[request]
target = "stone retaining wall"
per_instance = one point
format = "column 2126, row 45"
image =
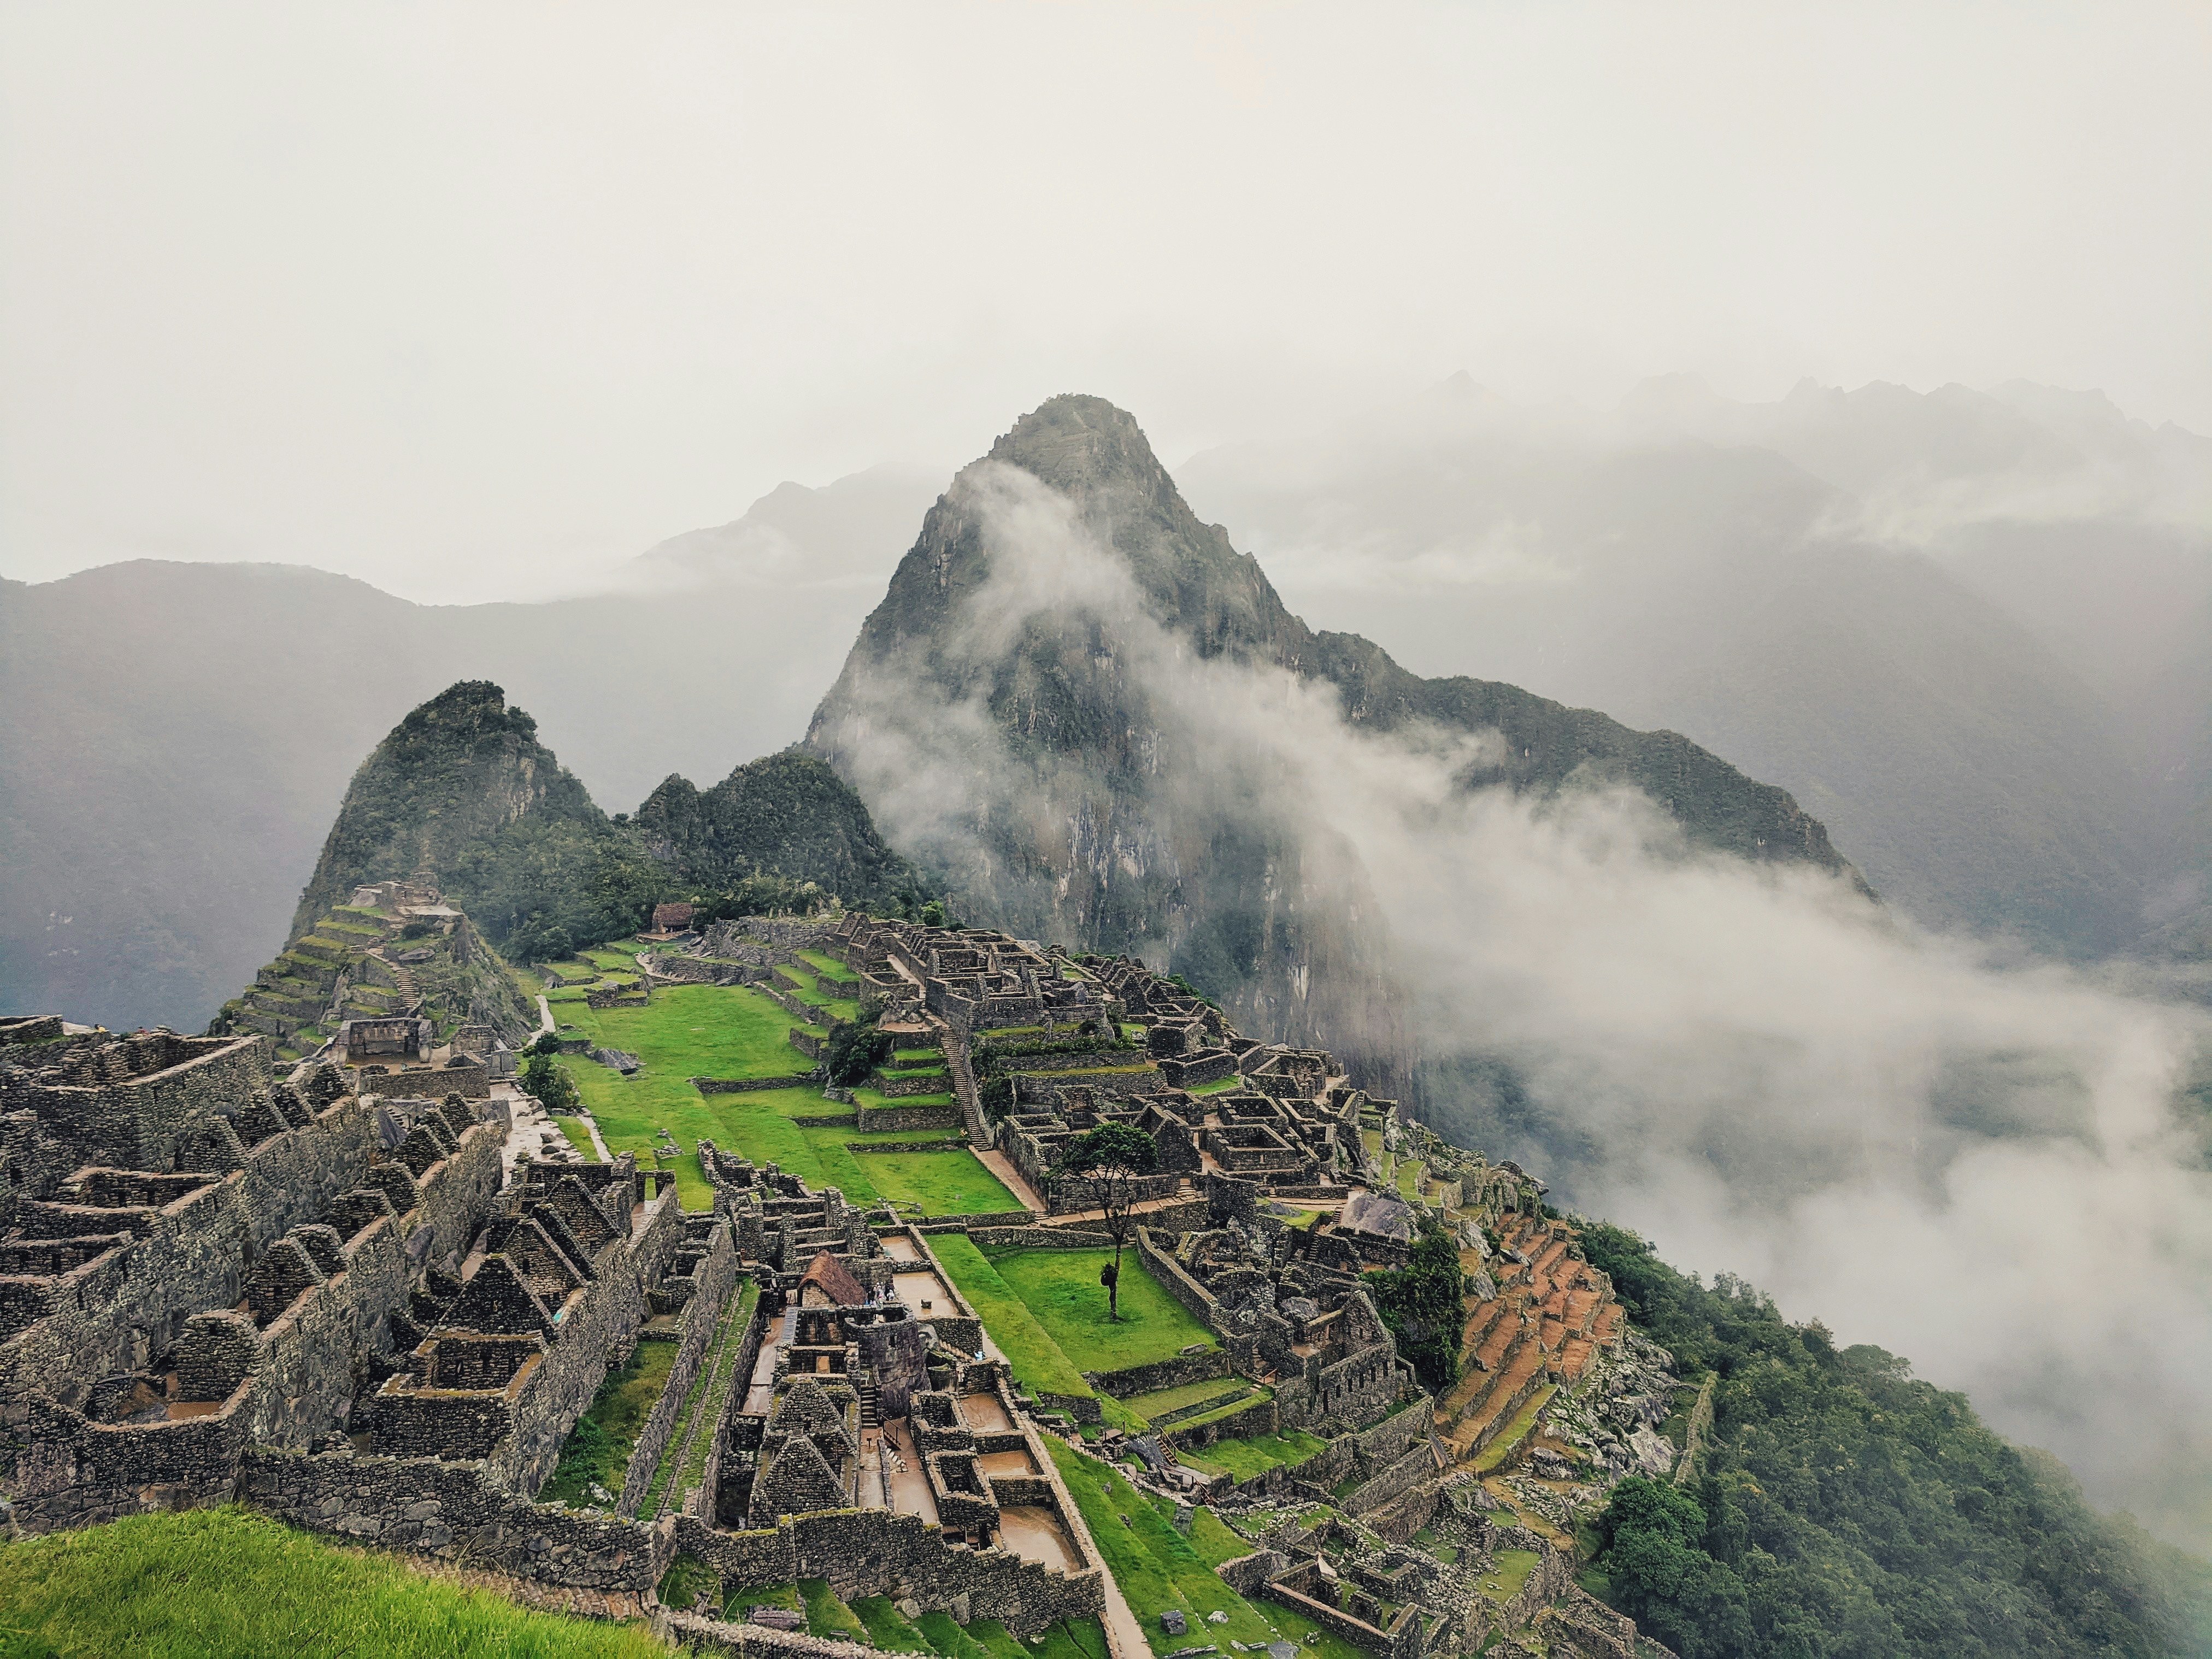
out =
column 1038, row 1238
column 940, row 1145
column 1395, row 1480
column 909, row 1117
column 743, row 1086
column 1083, row 1407
column 715, row 1279
column 1174, row 1373
column 880, row 1553
column 893, row 1084
column 455, row 1513
column 1259, row 1417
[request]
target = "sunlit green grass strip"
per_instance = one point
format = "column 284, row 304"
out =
column 225, row 1585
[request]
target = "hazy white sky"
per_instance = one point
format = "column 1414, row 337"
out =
column 467, row 300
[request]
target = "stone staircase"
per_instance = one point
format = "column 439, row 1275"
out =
column 871, row 1416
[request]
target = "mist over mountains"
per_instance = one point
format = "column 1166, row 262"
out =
column 1617, row 951
column 1966, row 630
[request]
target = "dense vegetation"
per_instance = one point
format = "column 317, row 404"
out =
column 1421, row 1303
column 784, row 815
column 1844, row 1508
column 462, row 788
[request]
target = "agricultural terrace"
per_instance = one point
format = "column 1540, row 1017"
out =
column 876, row 1620
column 1045, row 1310
column 733, row 1031
column 1157, row 1568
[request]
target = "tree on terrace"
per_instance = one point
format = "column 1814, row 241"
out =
column 548, row 1082
column 1112, row 1157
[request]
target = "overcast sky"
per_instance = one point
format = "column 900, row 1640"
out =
column 468, row 300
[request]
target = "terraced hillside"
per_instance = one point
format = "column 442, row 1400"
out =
column 364, row 962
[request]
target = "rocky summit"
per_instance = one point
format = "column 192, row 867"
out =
column 1031, row 706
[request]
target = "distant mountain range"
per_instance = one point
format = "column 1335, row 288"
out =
column 1970, row 633
column 178, row 735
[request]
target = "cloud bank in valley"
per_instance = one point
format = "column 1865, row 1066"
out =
column 1990, row 1167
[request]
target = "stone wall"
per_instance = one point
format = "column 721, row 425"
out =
column 694, row 1634
column 1259, row 1417
column 454, row 1513
column 1402, row 1640
column 1395, row 1479
column 880, row 1553
column 1039, row 1239
column 1177, row 1283
column 715, row 1279
column 909, row 1117
column 471, row 1082
column 804, row 1012
column 893, row 1084
column 1165, row 1373
column 739, row 1086
column 142, row 1103
column 602, row 1331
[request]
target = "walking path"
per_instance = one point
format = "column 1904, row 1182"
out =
column 1125, row 1635
column 1011, row 1178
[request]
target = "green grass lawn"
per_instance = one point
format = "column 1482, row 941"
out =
column 225, row 1585
column 1157, row 1568
column 814, row 993
column 690, row 1030
column 887, row 1628
column 573, row 1130
column 1036, row 1358
column 826, row 1615
column 1510, row 1570
column 1243, row 1458
column 599, row 1447
column 831, row 972
column 946, row 1638
column 1218, row 1086
column 1161, row 1401
column 942, row 1183
column 710, row 1030
column 868, row 1097
column 1061, row 1290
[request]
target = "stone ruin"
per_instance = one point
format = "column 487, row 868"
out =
column 312, row 1293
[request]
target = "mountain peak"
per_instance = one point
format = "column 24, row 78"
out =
column 1075, row 442
column 456, row 772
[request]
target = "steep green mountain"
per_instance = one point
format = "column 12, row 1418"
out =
column 786, row 814
column 462, row 789
column 1044, row 731
column 1840, row 1505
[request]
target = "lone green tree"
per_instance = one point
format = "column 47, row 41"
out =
column 547, row 1081
column 1112, row 1157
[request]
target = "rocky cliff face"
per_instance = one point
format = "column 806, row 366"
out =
column 456, row 789
column 1099, row 720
